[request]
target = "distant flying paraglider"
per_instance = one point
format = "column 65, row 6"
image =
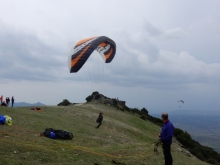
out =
column 181, row 101
column 84, row 48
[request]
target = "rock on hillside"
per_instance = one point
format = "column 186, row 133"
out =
column 65, row 102
column 100, row 98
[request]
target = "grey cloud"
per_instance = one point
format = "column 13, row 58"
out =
column 200, row 39
column 153, row 29
column 174, row 33
column 138, row 62
column 169, row 70
column 157, row 31
column 24, row 56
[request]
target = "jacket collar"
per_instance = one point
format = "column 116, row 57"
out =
column 165, row 122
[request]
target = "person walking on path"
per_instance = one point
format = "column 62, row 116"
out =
column 99, row 119
column 12, row 101
column 165, row 137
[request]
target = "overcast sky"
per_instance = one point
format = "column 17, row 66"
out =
column 166, row 51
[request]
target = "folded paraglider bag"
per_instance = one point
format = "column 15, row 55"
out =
column 37, row 109
column 8, row 120
column 57, row 134
column 2, row 120
column 47, row 132
column 63, row 134
column 4, row 104
column 5, row 120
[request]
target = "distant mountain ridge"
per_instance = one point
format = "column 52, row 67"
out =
column 24, row 104
column 195, row 112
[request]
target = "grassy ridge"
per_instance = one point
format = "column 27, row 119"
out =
column 123, row 137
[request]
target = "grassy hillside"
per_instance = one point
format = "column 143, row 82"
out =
column 123, row 138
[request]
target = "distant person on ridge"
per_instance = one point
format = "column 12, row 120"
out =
column 6, row 100
column 12, row 101
column 99, row 119
column 165, row 137
column 1, row 98
column 9, row 101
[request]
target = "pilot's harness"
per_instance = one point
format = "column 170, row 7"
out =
column 156, row 144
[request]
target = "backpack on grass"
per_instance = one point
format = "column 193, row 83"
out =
column 57, row 134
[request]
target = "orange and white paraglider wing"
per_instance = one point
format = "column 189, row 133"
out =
column 84, row 48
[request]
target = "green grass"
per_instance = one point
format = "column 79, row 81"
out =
column 123, row 137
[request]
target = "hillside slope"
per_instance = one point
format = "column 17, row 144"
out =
column 122, row 139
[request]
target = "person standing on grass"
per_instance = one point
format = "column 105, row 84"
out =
column 1, row 98
column 12, row 101
column 9, row 101
column 6, row 100
column 99, row 119
column 165, row 137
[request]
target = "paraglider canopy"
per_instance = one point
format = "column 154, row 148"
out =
column 84, row 48
column 181, row 101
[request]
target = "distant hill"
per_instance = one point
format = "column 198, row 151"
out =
column 24, row 104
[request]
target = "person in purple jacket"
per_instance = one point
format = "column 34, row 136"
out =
column 165, row 137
